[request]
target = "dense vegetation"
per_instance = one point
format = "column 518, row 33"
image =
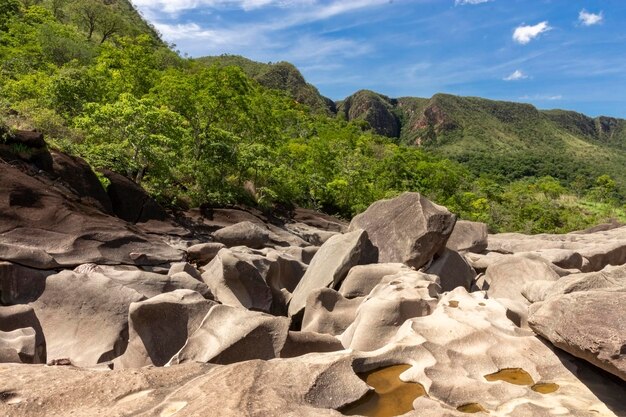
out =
column 205, row 132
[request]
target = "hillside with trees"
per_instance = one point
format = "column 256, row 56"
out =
column 209, row 132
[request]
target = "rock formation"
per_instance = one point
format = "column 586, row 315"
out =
column 231, row 312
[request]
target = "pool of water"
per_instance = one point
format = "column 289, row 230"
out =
column 391, row 396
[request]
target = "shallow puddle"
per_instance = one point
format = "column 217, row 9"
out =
column 471, row 408
column 516, row 376
column 545, row 387
column 392, row 397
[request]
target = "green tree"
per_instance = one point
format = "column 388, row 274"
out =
column 135, row 135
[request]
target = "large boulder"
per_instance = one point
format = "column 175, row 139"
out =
column 468, row 237
column 235, row 280
column 587, row 324
column 203, row 253
column 507, row 277
column 84, row 317
column 77, row 174
column 408, row 229
column 159, row 327
column 396, row 299
column 453, row 270
column 46, row 226
column 130, row 202
column 331, row 264
column 229, row 334
column 362, row 279
column 148, row 284
column 243, row 234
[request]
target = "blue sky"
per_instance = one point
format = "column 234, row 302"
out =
column 568, row 54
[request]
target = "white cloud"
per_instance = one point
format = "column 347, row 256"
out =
column 515, row 76
column 462, row 2
column 524, row 34
column 589, row 19
column 542, row 97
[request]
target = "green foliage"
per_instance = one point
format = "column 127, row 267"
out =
column 228, row 130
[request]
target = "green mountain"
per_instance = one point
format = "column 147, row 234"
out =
column 512, row 140
column 279, row 76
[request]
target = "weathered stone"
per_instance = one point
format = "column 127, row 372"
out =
column 77, row 174
column 395, row 300
column 19, row 284
column 331, row 264
column 84, row 318
column 130, row 202
column 453, row 270
column 45, row 226
column 362, row 279
column 23, row 317
column 18, row 346
column 587, row 324
column 303, row 343
column 159, row 327
column 507, row 277
column 408, row 229
column 329, row 312
column 243, row 234
column 468, row 237
column 204, row 253
column 184, row 267
column 229, row 334
column 234, row 280
column 148, row 284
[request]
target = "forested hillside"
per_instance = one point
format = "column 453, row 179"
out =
column 196, row 132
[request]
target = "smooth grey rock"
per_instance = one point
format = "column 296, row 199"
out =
column 331, row 264
column 159, row 327
column 507, row 277
column 204, row 253
column 362, row 279
column 84, row 317
column 468, row 237
column 235, row 280
column 243, row 234
column 329, row 312
column 229, row 334
column 590, row 325
column 408, row 229
column 453, row 270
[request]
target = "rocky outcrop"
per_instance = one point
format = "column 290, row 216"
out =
column 408, row 229
column 468, row 237
column 373, row 108
column 30, row 337
column 362, row 279
column 45, row 226
column 229, row 334
column 243, row 234
column 234, row 280
column 130, row 202
column 507, row 277
column 588, row 324
column 159, row 327
column 88, row 326
column 331, row 264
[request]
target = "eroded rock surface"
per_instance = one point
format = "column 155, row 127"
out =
column 408, row 229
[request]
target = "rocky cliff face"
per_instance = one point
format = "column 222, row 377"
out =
column 231, row 312
column 375, row 109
